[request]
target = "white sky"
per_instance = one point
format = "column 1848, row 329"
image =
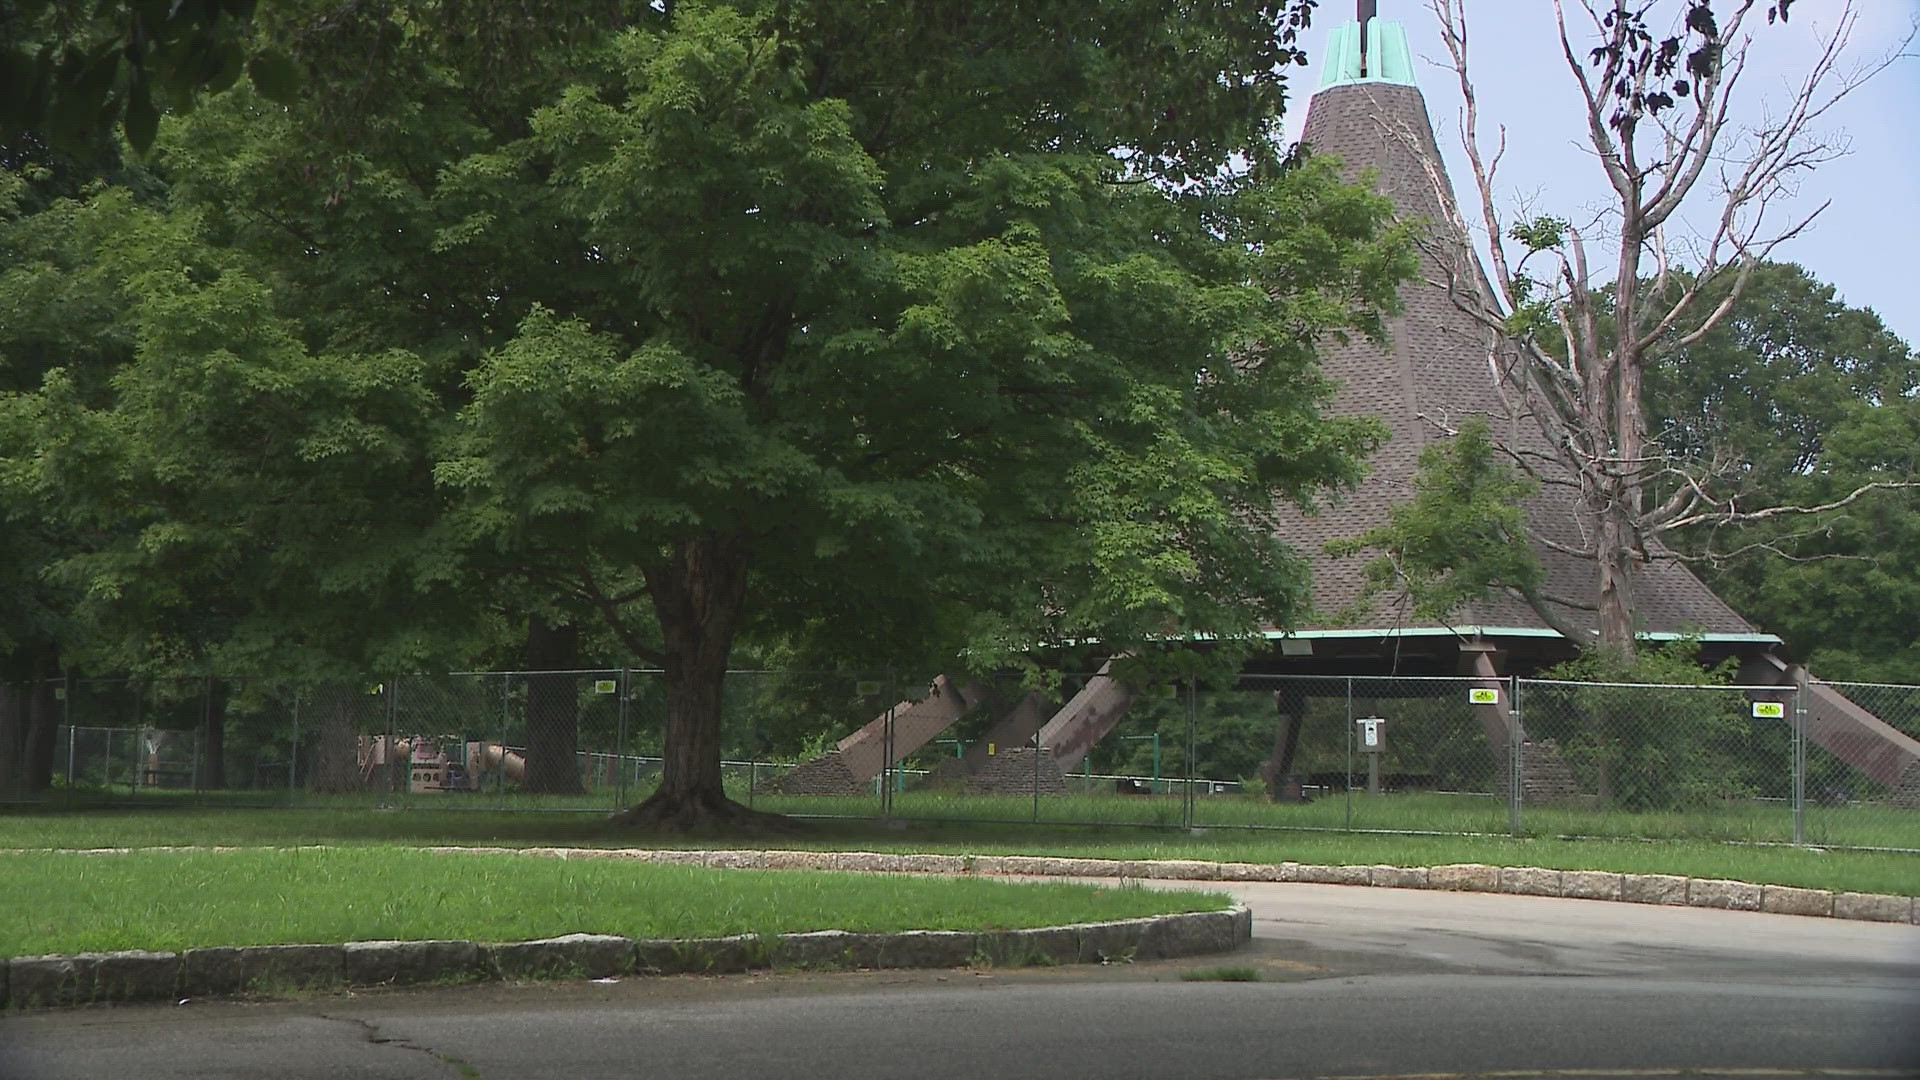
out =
column 1867, row 243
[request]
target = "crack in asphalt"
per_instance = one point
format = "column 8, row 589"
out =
column 373, row 1035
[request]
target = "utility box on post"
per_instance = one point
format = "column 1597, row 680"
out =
column 1371, row 738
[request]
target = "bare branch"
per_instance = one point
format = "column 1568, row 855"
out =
column 1727, row 511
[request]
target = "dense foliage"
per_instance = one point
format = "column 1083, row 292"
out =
column 904, row 332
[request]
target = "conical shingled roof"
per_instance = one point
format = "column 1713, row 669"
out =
column 1434, row 374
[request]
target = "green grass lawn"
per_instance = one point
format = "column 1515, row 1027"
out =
column 1862, row 871
column 1865, row 825
column 67, row 903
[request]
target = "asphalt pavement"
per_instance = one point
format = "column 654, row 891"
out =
column 1354, row 981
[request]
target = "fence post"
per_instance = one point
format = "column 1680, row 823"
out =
column 139, row 736
column 1516, row 785
column 888, row 771
column 1349, row 728
column 500, row 769
column 66, row 717
column 1036, row 776
column 1800, row 757
column 293, row 755
column 1193, row 746
column 620, row 741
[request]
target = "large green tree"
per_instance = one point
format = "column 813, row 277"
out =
column 913, row 334
column 911, row 331
column 1815, row 400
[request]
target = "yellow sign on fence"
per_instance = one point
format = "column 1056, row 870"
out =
column 1484, row 695
column 1769, row 710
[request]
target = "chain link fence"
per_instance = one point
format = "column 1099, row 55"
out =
column 1832, row 764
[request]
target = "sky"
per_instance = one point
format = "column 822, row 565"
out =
column 1867, row 243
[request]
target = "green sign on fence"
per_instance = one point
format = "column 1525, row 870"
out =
column 1484, row 695
column 1769, row 710
column 605, row 686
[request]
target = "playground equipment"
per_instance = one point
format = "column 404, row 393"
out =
column 437, row 765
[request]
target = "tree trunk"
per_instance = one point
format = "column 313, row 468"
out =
column 553, row 710
column 1286, row 744
column 13, row 738
column 698, row 595
column 43, row 718
column 213, row 737
column 336, row 759
column 1614, row 554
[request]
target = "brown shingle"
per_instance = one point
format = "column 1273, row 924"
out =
column 1434, row 374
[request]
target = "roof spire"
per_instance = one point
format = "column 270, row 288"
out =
column 1368, row 50
column 1365, row 11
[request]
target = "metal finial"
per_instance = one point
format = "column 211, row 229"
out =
column 1365, row 10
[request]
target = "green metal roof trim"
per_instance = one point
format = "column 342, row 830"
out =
column 1508, row 631
column 1390, row 55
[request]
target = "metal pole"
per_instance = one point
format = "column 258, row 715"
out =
column 1800, row 759
column 1349, row 753
column 293, row 755
column 500, row 767
column 620, row 743
column 886, row 765
column 66, row 717
column 139, row 736
column 1156, row 760
column 1036, row 776
column 1193, row 750
column 1516, row 790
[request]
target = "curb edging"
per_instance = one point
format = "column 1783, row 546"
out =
column 1669, row 890
column 28, row 982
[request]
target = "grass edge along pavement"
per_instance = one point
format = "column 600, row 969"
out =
column 136, row 976
column 1182, row 924
column 67, row 902
column 1838, row 871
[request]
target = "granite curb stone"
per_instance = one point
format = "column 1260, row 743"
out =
column 1398, row 877
column 234, row 970
column 49, row 980
column 1332, row 875
column 1464, row 877
column 1109, row 942
column 1591, row 884
column 143, row 976
column 591, row 956
column 1729, row 895
column 1872, row 907
column 1653, row 889
column 396, row 963
column 1783, row 900
column 1530, row 881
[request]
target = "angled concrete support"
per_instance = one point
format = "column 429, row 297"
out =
column 1013, row 729
column 1086, row 719
column 915, row 723
column 1840, row 726
column 1479, row 661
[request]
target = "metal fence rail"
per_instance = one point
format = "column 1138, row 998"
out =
column 1764, row 764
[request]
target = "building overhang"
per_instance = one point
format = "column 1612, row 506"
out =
column 1749, row 638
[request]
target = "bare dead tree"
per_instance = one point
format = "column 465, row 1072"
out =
column 1574, row 310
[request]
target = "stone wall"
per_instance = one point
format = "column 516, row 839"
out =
column 1013, row 771
column 824, row 775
